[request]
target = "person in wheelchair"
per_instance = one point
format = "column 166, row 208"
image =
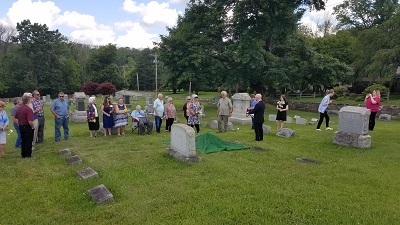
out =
column 143, row 122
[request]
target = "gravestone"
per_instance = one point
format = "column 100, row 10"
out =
column 127, row 101
column 80, row 101
column 308, row 161
column 285, row 133
column 266, row 129
column 74, row 160
column 289, row 119
column 204, row 124
column 44, row 99
column 64, row 152
column 87, row 173
column 301, row 121
column 66, row 98
column 100, row 194
column 202, row 115
column 214, row 124
column 313, row 120
column 216, row 99
column 229, row 127
column 48, row 98
column 183, row 143
column 134, row 97
column 272, row 117
column 240, row 101
column 149, row 100
column 333, row 112
column 79, row 116
column 385, row 117
column 353, row 127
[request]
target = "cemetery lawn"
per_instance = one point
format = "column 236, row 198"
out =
column 350, row 186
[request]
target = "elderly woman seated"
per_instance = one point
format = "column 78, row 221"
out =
column 140, row 117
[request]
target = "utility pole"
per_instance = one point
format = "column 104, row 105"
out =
column 137, row 81
column 124, row 66
column 155, row 62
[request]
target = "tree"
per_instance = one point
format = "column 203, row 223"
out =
column 90, row 88
column 6, row 34
column 364, row 14
column 106, row 89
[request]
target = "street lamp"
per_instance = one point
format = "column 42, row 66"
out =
column 155, row 62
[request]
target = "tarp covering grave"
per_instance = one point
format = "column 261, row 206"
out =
column 208, row 143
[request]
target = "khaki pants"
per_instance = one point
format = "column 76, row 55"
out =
column 35, row 132
column 223, row 123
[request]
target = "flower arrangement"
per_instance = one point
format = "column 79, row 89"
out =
column 280, row 104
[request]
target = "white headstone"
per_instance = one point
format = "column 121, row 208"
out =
column 183, row 143
column 266, row 129
column 272, row 117
column 385, row 117
column 240, row 101
column 214, row 124
column 301, row 121
column 289, row 119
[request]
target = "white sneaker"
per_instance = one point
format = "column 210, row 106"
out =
column 318, row 129
column 328, row 128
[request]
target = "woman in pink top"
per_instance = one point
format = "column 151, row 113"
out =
column 170, row 114
column 373, row 103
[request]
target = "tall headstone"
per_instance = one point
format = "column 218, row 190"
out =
column 353, row 127
column 127, row 101
column 240, row 101
column 183, row 143
column 149, row 105
column 66, row 98
column 79, row 115
column 48, row 98
column 44, row 99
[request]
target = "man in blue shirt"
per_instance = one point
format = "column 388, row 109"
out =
column 60, row 110
column 140, row 117
column 158, row 107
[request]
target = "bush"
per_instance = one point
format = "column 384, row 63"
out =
column 359, row 99
column 380, row 87
column 340, row 91
column 352, row 96
column 90, row 88
column 106, row 89
column 342, row 98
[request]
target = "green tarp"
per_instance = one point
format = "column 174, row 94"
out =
column 208, row 143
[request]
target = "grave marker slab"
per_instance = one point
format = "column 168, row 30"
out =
column 308, row 161
column 74, row 160
column 285, row 133
column 353, row 127
column 214, row 124
column 64, row 152
column 87, row 173
column 266, row 129
column 183, row 143
column 301, row 121
column 258, row 149
column 100, row 194
column 385, row 117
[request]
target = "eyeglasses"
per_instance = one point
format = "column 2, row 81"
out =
column 62, row 96
column 189, row 99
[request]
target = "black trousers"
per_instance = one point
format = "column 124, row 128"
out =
column 259, row 131
column 371, row 124
column 40, row 130
column 26, row 140
column 321, row 119
column 169, row 123
column 197, row 127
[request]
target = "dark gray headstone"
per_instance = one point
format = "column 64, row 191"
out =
column 87, row 173
column 64, row 152
column 80, row 104
column 308, row 161
column 385, row 117
column 74, row 160
column 126, row 99
column 100, row 194
column 258, row 149
column 266, row 129
column 285, row 132
column 354, row 120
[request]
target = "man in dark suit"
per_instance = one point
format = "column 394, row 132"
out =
column 258, row 112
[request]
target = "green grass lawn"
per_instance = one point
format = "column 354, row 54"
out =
column 350, row 186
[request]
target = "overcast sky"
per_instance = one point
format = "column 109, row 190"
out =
column 127, row 23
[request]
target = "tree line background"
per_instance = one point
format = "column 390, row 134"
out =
column 234, row 45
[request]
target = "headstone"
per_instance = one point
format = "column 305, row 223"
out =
column 214, row 124
column 183, row 143
column 64, row 152
column 202, row 115
column 313, row 120
column 353, row 127
column 385, row 117
column 289, row 119
column 308, row 161
column 259, row 149
column 240, row 101
column 285, row 133
column 204, row 124
column 74, row 160
column 127, row 101
column 87, row 173
column 44, row 99
column 149, row 108
column 301, row 121
column 266, row 129
column 216, row 99
column 66, row 97
column 229, row 126
column 149, row 100
column 100, row 194
column 48, row 98
column 333, row 112
column 134, row 97
column 79, row 116
column 272, row 117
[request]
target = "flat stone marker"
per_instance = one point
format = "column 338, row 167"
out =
column 183, row 143
column 285, row 133
column 214, row 124
column 87, row 173
column 266, row 129
column 64, row 152
column 100, row 194
column 74, row 160
column 385, row 117
column 272, row 117
column 313, row 120
column 301, row 121
column 258, row 149
column 353, row 127
column 308, row 161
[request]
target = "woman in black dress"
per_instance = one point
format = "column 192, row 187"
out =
column 282, row 106
column 186, row 107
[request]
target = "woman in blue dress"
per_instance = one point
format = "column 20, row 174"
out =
column 108, row 118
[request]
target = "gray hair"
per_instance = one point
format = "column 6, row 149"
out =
column 169, row 99
column 138, row 107
column 15, row 101
column 27, row 94
column 160, row 95
column 35, row 92
column 92, row 99
column 26, row 99
column 258, row 96
column 224, row 93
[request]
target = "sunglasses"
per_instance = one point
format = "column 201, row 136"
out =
column 62, row 96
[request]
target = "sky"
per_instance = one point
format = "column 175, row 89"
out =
column 126, row 23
